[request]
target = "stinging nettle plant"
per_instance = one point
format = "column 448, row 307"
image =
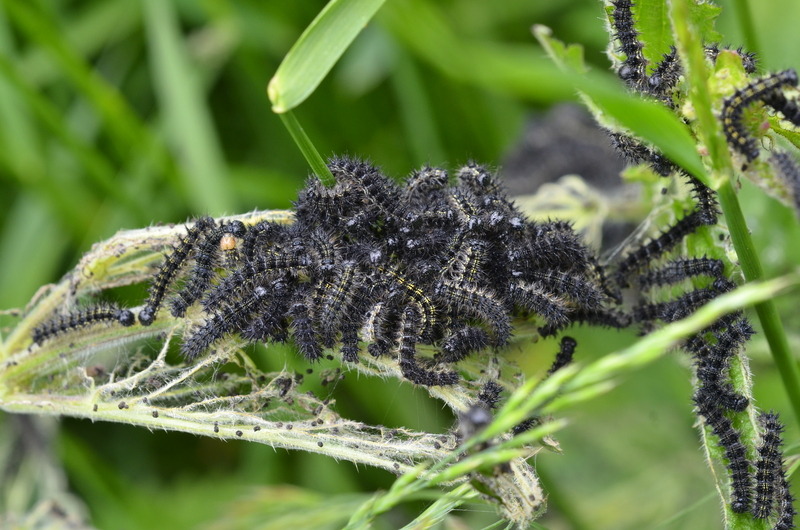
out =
column 426, row 281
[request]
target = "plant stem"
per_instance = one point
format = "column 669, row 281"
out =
column 313, row 157
column 767, row 312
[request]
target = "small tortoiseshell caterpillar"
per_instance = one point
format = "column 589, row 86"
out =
column 788, row 170
column 205, row 263
column 772, row 487
column 170, row 268
column 427, row 263
column 786, row 511
column 712, row 348
column 610, row 318
column 633, row 69
column 685, row 305
column 733, row 109
column 490, row 394
column 656, row 248
column 680, row 269
column 461, row 343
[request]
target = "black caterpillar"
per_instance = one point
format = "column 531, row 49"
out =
column 735, row 451
column 768, row 466
column 786, row 166
column 766, row 90
column 88, row 316
column 665, row 74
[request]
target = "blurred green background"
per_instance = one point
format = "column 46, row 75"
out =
column 121, row 113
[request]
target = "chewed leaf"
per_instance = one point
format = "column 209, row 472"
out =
column 791, row 135
column 564, row 55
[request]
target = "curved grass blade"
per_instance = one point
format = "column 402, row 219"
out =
column 317, row 50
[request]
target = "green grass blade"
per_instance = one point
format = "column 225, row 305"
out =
column 313, row 157
column 131, row 138
column 522, row 71
column 98, row 26
column 317, row 50
column 97, row 166
column 436, row 512
column 38, row 242
column 416, row 112
column 190, row 127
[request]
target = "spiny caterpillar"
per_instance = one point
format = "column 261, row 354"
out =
column 564, row 355
column 680, row 269
column 88, row 316
column 768, row 466
column 764, row 90
column 735, row 451
column 427, row 263
column 666, row 73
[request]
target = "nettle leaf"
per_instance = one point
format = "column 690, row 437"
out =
column 653, row 24
column 654, row 27
column 650, row 121
column 703, row 17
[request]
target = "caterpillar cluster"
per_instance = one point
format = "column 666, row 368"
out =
column 397, row 266
column 705, row 213
column 426, row 263
column 714, row 347
column 448, row 266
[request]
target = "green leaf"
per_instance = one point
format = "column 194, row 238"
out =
column 306, row 147
column 317, row 50
column 98, row 167
column 792, row 136
column 703, row 16
column 93, row 29
column 132, row 139
column 565, row 56
column 654, row 28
